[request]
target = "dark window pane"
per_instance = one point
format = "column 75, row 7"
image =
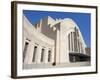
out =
column 25, row 50
column 34, row 53
column 49, row 56
column 42, row 55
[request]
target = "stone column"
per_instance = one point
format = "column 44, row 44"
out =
column 70, row 43
column 80, row 48
column 73, row 40
column 29, row 54
column 38, row 54
column 46, row 55
column 79, row 45
column 57, row 46
column 52, row 55
column 84, row 50
column 23, row 44
column 67, row 50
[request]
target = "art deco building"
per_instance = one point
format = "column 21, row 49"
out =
column 53, row 43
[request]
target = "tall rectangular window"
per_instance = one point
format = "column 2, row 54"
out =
column 75, row 40
column 34, row 53
column 71, row 41
column 42, row 55
column 25, row 50
column 49, row 56
column 78, row 46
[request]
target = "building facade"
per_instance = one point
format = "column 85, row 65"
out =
column 53, row 43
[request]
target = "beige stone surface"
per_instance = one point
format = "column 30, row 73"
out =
column 50, row 34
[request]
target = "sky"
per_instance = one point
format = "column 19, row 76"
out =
column 83, row 20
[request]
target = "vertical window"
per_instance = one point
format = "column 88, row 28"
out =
column 42, row 55
column 25, row 50
column 34, row 53
column 78, row 46
column 81, row 48
column 49, row 56
column 74, row 41
column 71, row 41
